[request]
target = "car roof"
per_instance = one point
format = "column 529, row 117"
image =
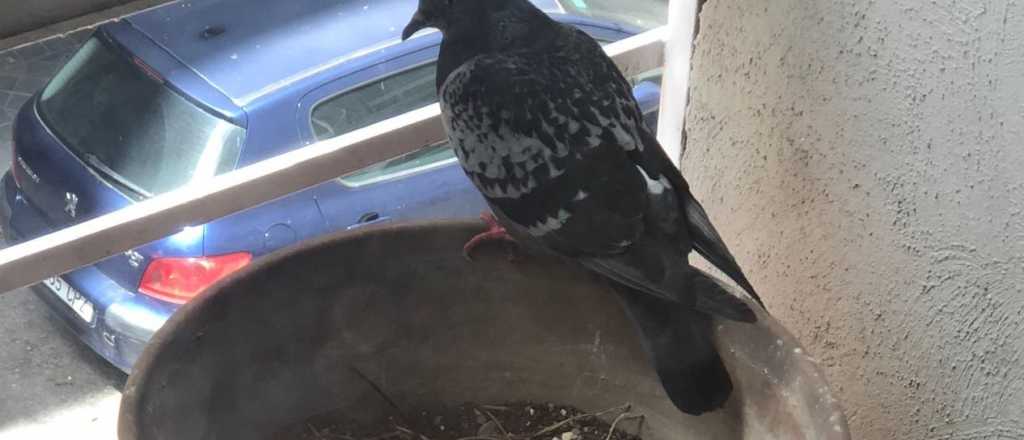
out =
column 249, row 48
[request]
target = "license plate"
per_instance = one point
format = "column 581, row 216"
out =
column 81, row 306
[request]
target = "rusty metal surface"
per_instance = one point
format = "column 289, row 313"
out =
column 284, row 340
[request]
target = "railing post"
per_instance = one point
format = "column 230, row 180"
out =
column 675, row 83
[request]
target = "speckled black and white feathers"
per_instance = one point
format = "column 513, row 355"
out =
column 548, row 130
column 547, row 150
column 551, row 135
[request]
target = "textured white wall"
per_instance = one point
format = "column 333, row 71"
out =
column 865, row 160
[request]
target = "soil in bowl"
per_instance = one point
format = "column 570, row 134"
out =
column 469, row 421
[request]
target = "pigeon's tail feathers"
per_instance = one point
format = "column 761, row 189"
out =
column 713, row 299
column 693, row 374
column 701, row 234
column 640, row 269
column 679, row 341
column 655, row 269
column 710, row 245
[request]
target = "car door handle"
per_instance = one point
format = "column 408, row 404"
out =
column 370, row 218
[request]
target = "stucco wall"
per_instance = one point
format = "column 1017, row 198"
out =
column 18, row 16
column 865, row 160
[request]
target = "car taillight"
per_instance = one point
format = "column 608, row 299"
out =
column 178, row 280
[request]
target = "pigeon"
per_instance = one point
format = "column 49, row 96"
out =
column 547, row 129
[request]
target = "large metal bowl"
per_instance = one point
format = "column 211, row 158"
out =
column 293, row 335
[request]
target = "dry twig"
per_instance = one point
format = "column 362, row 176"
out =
column 623, row 409
column 495, row 407
column 624, row 415
column 496, row 422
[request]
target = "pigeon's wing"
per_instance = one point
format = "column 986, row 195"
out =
column 547, row 151
column 698, row 231
column 556, row 146
column 550, row 150
column 702, row 234
column 653, row 267
column 661, row 171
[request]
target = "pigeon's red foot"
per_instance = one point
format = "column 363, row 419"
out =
column 494, row 232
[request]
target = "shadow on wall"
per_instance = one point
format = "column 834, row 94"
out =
column 864, row 162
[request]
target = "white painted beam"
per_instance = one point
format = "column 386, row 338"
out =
column 675, row 83
column 640, row 53
column 169, row 213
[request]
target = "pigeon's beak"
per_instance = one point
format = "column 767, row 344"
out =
column 418, row 22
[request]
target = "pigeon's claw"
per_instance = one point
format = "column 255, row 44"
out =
column 492, row 222
column 494, row 232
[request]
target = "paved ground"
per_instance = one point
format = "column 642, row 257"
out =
column 23, row 71
column 51, row 386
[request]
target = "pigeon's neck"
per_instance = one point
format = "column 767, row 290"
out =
column 506, row 32
column 455, row 53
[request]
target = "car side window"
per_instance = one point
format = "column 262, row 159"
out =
column 386, row 98
column 374, row 102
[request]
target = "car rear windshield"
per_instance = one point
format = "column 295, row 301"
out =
column 130, row 127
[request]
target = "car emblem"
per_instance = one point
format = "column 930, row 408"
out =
column 28, row 170
column 70, row 204
column 134, row 258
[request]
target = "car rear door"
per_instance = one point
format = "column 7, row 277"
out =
column 424, row 184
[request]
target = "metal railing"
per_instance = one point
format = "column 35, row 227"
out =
column 169, row 213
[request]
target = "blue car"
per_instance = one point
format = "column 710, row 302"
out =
column 178, row 94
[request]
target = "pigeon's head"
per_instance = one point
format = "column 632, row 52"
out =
column 442, row 14
column 469, row 18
